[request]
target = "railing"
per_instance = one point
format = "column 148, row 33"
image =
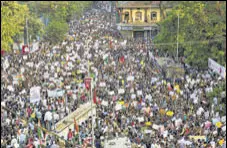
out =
column 66, row 122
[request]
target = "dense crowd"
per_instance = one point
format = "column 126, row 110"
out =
column 134, row 99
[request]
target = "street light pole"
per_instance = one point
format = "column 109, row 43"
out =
column 177, row 36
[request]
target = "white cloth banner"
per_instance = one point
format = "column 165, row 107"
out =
column 217, row 67
column 35, row 94
column 55, row 93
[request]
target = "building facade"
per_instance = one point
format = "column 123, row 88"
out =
column 137, row 19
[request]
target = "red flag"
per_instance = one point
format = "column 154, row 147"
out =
column 87, row 83
column 122, row 59
column 94, row 96
column 76, row 127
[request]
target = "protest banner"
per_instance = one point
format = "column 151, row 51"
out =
column 55, row 93
column 35, row 94
column 217, row 68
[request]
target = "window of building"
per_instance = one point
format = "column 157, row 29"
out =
column 138, row 16
column 126, row 16
column 153, row 16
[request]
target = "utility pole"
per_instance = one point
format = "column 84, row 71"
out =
column 177, row 36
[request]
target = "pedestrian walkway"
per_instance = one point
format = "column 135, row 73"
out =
column 81, row 114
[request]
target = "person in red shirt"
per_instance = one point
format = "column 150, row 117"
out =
column 70, row 135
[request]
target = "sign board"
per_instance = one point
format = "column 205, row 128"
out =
column 147, row 28
column 217, row 68
column 126, row 28
column 35, row 94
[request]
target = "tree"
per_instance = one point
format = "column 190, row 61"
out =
column 200, row 32
column 12, row 22
column 56, row 31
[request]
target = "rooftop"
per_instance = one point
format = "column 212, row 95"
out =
column 140, row 4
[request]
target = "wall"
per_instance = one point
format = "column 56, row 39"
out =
column 127, row 33
column 149, row 10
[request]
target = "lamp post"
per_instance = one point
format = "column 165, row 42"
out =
column 177, row 36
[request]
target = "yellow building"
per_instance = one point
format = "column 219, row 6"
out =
column 138, row 18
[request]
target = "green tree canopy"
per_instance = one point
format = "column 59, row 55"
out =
column 56, row 31
column 12, row 22
column 200, row 32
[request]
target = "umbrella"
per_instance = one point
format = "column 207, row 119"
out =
column 48, row 116
column 169, row 113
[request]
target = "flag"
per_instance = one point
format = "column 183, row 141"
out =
column 87, row 83
column 76, row 127
column 94, row 96
column 40, row 133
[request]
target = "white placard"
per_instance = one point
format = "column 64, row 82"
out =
column 130, row 78
column 111, row 93
column 156, row 127
column 140, row 119
column 133, row 96
column 102, row 84
column 46, row 75
column 104, row 103
column 121, row 91
column 118, row 107
column 35, row 94
column 139, row 92
column 25, row 57
column 68, row 87
column 6, row 64
column 10, row 88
